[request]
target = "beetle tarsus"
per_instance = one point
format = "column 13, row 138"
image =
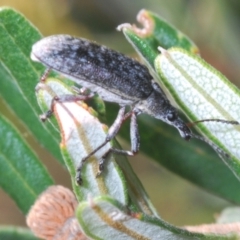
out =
column 78, row 178
column 45, row 75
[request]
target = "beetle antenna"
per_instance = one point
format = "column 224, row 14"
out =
column 219, row 150
column 191, row 124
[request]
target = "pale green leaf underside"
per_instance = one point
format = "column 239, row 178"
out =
column 111, row 221
column 204, row 93
column 191, row 160
column 81, row 133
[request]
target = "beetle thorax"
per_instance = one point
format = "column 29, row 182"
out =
column 155, row 105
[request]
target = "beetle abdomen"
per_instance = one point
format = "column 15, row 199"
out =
column 85, row 60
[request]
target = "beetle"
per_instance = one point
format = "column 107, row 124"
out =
column 115, row 78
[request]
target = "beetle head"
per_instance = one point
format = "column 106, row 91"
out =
column 158, row 106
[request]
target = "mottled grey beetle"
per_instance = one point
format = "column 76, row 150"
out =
column 116, row 78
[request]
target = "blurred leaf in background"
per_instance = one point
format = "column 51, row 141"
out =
column 214, row 27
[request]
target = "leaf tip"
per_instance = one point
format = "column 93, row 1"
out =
column 164, row 52
column 123, row 26
column 145, row 20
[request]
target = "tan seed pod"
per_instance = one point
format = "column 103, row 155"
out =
column 53, row 215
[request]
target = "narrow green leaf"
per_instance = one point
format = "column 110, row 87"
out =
column 193, row 161
column 167, row 36
column 16, row 233
column 112, row 221
column 143, row 46
column 204, row 93
column 155, row 32
column 19, row 75
column 81, row 133
column 22, row 175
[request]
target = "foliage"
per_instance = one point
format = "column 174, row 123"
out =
column 24, row 177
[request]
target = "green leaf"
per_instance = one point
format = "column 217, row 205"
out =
column 81, row 133
column 19, row 75
column 166, row 35
column 143, row 46
column 194, row 160
column 155, row 32
column 16, row 233
column 112, row 221
column 203, row 93
column 22, row 175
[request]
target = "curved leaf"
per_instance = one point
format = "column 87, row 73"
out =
column 81, row 133
column 204, row 93
column 155, row 32
column 112, row 221
column 193, row 161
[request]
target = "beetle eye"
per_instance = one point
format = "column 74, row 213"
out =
column 171, row 116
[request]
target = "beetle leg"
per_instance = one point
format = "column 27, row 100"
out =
column 79, row 168
column 113, row 130
column 63, row 98
column 135, row 142
column 134, row 134
column 45, row 75
column 83, row 91
column 102, row 161
column 49, row 113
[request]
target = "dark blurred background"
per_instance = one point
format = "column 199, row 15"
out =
column 213, row 25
